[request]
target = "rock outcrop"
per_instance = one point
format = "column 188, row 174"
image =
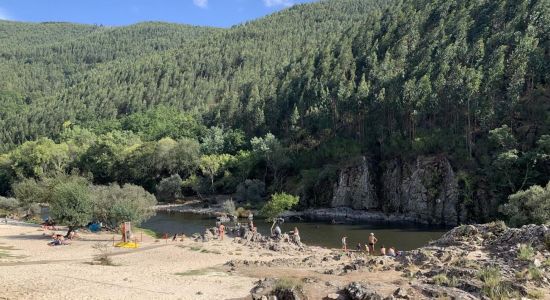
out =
column 425, row 191
column 355, row 187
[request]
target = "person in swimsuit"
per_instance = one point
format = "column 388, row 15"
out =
column 345, row 244
column 222, row 231
column 372, row 241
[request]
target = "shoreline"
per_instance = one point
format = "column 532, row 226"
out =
column 252, row 267
column 340, row 215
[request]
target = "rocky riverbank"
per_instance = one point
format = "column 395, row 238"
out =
column 487, row 261
column 336, row 214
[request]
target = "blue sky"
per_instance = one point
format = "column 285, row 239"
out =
column 220, row 13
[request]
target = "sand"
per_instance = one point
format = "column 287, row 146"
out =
column 158, row 269
column 34, row 270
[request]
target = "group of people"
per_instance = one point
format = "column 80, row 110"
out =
column 370, row 247
column 58, row 240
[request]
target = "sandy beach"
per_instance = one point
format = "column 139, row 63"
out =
column 189, row 269
column 30, row 269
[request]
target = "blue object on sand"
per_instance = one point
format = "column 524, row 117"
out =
column 94, row 227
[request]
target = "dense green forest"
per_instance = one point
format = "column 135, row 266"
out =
column 283, row 102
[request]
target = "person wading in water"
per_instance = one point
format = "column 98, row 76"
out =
column 372, row 241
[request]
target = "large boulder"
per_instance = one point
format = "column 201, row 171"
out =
column 357, row 291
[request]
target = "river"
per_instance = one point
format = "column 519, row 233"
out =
column 401, row 236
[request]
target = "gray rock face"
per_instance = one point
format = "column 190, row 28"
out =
column 355, row 188
column 425, row 190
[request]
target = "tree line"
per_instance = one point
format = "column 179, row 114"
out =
column 331, row 80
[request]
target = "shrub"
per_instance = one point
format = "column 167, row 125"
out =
column 169, row 189
column 278, row 204
column 529, row 206
column 525, row 252
column 71, row 203
column 114, row 204
column 8, row 204
column 229, row 207
column 103, row 257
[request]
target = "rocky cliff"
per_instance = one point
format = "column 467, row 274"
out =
column 355, row 187
column 424, row 190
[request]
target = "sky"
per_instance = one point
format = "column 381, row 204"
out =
column 218, row 13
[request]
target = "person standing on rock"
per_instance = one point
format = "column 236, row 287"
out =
column 372, row 241
column 345, row 244
column 222, row 231
column 383, row 250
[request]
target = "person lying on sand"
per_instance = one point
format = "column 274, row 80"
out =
column 58, row 240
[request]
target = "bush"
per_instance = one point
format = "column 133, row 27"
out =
column 169, row 189
column 529, row 206
column 114, row 204
column 229, row 207
column 278, row 204
column 103, row 257
column 71, row 203
column 8, row 204
column 251, row 191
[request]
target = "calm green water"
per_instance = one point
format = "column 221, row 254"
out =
column 403, row 237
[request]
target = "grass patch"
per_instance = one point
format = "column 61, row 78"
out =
column 453, row 282
column 288, row 283
column 202, row 272
column 535, row 294
column 466, row 263
column 493, row 286
column 525, row 253
column 5, row 254
column 535, row 273
column 148, row 232
column 531, row 273
column 440, row 279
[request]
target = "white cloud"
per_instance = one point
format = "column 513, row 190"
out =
column 201, row 3
column 271, row 3
column 4, row 15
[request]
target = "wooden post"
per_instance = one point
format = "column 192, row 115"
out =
column 141, row 237
column 113, row 240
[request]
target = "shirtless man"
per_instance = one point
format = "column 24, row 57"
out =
column 221, row 231
column 372, row 241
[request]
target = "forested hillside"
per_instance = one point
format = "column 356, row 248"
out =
column 285, row 102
